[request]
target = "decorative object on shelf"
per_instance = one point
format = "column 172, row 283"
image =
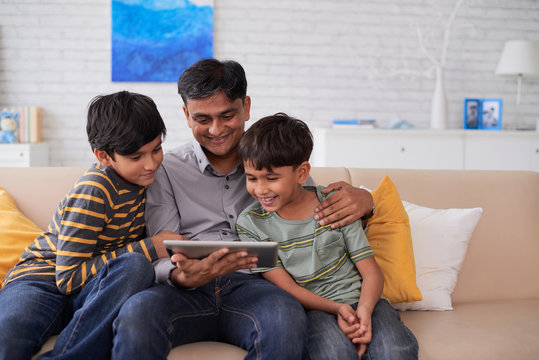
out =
column 30, row 124
column 482, row 114
column 520, row 58
column 491, row 114
column 472, row 118
column 438, row 116
column 8, row 126
column 354, row 124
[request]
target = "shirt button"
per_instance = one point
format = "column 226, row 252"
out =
column 231, row 216
column 224, row 233
column 227, row 178
column 227, row 187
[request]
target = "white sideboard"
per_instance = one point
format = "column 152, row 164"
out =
column 23, row 155
column 426, row 149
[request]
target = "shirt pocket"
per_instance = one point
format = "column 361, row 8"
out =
column 330, row 250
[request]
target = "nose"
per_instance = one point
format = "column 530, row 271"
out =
column 216, row 128
column 151, row 163
column 261, row 188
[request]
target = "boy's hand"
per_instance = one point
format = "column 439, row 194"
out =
column 364, row 336
column 158, row 239
column 197, row 272
column 345, row 206
column 347, row 320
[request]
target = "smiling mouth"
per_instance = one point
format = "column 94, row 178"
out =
column 218, row 139
column 266, row 200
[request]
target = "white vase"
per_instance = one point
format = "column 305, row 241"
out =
column 438, row 116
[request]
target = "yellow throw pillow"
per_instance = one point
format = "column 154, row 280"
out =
column 390, row 238
column 16, row 232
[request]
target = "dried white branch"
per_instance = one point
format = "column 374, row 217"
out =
column 447, row 32
column 422, row 47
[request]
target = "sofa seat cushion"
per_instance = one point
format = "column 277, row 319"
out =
column 477, row 330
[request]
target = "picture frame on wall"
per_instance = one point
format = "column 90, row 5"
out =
column 491, row 114
column 472, row 118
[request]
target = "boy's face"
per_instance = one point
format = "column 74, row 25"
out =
column 218, row 123
column 138, row 168
column 275, row 189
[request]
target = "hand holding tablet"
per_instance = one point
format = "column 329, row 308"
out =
column 265, row 251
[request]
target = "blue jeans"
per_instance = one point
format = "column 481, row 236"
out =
column 391, row 339
column 240, row 309
column 32, row 310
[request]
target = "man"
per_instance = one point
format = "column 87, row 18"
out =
column 199, row 192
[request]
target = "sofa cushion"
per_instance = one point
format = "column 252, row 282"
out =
column 16, row 232
column 389, row 235
column 492, row 330
column 440, row 238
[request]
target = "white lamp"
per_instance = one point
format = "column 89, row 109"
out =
column 520, row 58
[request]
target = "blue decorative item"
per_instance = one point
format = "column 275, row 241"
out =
column 156, row 40
column 8, row 126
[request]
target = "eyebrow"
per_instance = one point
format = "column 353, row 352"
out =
column 200, row 114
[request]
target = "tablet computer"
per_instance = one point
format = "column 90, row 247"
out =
column 265, row 251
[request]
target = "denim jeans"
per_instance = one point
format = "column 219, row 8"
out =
column 391, row 339
column 240, row 309
column 32, row 310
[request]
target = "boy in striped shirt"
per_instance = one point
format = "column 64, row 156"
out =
column 74, row 277
column 332, row 272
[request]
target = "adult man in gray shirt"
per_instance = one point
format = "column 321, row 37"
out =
column 198, row 193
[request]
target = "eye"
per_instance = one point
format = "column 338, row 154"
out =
column 157, row 149
column 202, row 120
column 135, row 158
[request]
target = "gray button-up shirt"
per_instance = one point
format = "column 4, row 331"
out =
column 190, row 198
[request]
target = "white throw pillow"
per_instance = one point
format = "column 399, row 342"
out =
column 440, row 238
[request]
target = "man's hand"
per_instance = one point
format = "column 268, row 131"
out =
column 345, row 206
column 158, row 239
column 194, row 272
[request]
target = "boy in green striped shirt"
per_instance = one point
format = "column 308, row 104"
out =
column 74, row 277
column 332, row 272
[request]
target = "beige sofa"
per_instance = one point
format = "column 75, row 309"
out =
column 496, row 299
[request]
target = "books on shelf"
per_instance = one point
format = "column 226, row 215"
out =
column 29, row 124
column 355, row 124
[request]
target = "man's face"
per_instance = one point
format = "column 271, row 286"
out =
column 217, row 123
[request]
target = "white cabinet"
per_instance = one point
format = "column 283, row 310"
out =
column 417, row 149
column 23, row 155
column 426, row 149
column 511, row 150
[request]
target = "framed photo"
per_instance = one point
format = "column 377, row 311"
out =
column 472, row 118
column 491, row 114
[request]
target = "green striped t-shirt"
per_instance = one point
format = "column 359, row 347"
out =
column 101, row 218
column 319, row 258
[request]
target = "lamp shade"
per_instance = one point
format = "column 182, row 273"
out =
column 519, row 58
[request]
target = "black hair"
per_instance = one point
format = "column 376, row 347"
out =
column 123, row 122
column 208, row 76
column 275, row 141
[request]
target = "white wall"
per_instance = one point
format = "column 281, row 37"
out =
column 315, row 59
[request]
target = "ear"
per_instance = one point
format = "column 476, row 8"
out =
column 103, row 157
column 302, row 172
column 247, row 108
column 186, row 113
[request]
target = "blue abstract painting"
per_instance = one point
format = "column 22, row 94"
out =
column 156, row 40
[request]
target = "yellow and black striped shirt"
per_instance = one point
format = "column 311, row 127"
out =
column 101, row 218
